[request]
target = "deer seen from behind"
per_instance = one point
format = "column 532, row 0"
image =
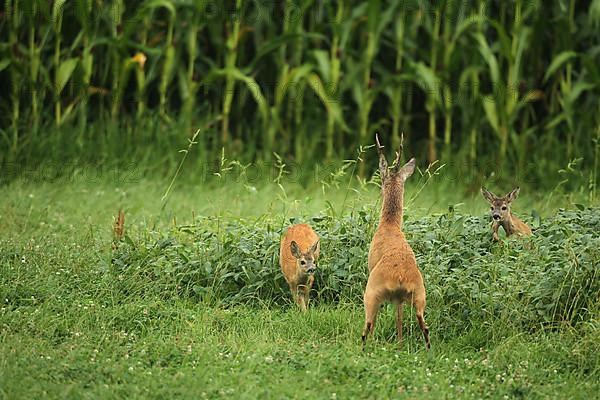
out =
column 393, row 272
column 298, row 256
column 502, row 216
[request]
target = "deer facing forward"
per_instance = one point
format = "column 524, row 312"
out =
column 298, row 256
column 501, row 215
column 393, row 272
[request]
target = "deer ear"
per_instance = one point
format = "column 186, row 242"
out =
column 313, row 249
column 489, row 196
column 512, row 195
column 407, row 170
column 295, row 249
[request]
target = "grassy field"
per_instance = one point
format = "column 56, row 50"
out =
column 79, row 320
column 104, row 100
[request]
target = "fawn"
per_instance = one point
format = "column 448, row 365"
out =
column 501, row 215
column 298, row 256
column 393, row 272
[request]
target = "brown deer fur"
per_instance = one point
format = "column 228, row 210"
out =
column 501, row 215
column 298, row 256
column 393, row 272
column 118, row 229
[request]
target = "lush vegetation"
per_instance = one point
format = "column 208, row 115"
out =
column 215, row 124
column 493, row 84
column 190, row 302
column 527, row 285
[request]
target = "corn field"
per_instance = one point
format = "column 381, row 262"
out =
column 514, row 83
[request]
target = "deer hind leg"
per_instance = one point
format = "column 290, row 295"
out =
column 399, row 315
column 419, row 304
column 372, row 303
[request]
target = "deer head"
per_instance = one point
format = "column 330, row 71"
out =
column 395, row 174
column 500, row 206
column 305, row 261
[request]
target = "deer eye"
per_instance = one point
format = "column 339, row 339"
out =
column 303, row 262
column 492, row 208
column 503, row 208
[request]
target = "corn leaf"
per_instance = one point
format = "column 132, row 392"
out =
column 578, row 88
column 426, row 77
column 558, row 62
column 254, row 89
column 332, row 105
column 489, row 106
column 57, row 10
column 4, row 63
column 323, row 64
column 489, row 58
column 65, row 70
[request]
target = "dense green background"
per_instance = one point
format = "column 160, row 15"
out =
column 493, row 85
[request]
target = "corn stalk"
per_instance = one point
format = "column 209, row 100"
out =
column 118, row 64
column 502, row 107
column 365, row 90
column 232, row 43
column 14, row 25
column 168, row 60
column 395, row 91
column 188, row 82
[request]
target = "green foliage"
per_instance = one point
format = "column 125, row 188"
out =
column 522, row 285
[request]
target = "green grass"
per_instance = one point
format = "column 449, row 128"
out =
column 174, row 349
column 74, row 324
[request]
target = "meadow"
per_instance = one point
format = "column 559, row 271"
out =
column 214, row 124
column 191, row 303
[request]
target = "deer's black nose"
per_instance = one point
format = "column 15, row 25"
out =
column 496, row 216
column 311, row 269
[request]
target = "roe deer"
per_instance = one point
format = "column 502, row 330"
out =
column 298, row 256
column 393, row 272
column 501, row 215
